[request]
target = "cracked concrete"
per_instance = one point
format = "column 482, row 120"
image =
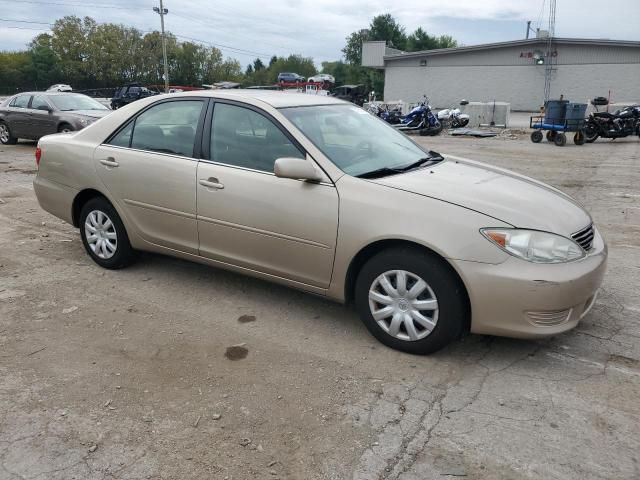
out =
column 138, row 369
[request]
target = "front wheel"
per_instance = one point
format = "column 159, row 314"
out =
column 590, row 133
column 536, row 136
column 104, row 236
column 411, row 300
column 5, row 135
column 65, row 128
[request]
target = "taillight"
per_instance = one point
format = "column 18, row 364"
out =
column 38, row 156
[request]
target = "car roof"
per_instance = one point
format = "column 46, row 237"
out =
column 276, row 99
column 49, row 93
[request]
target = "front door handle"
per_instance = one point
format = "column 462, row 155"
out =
column 109, row 162
column 211, row 183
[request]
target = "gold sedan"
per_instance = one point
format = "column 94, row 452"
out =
column 319, row 195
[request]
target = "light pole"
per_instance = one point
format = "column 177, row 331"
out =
column 162, row 12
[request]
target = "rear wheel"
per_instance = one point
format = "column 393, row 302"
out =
column 579, row 138
column 551, row 136
column 5, row 135
column 560, row 140
column 104, row 236
column 536, row 136
column 411, row 300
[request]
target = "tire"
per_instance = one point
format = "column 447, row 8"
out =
column 560, row 140
column 591, row 134
column 65, row 128
column 463, row 122
column 450, row 315
column 5, row 135
column 551, row 135
column 117, row 253
column 536, row 136
column 579, row 138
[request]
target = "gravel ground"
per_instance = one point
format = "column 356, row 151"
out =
column 129, row 374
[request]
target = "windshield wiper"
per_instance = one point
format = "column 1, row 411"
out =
column 379, row 172
column 434, row 157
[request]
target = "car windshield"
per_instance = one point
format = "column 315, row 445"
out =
column 75, row 102
column 355, row 141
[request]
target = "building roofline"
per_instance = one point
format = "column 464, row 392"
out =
column 514, row 43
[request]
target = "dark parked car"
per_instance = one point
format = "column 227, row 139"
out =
column 351, row 93
column 285, row 77
column 32, row 115
column 130, row 93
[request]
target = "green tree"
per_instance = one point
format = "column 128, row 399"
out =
column 258, row 65
column 70, row 42
column 43, row 69
column 421, row 40
column 293, row 63
column 353, row 49
column 385, row 27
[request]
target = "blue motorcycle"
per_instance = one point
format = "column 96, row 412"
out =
column 421, row 118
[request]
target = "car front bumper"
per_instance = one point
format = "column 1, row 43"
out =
column 521, row 299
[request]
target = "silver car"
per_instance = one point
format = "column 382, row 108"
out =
column 317, row 194
column 32, row 115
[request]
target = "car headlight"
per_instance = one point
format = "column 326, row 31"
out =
column 85, row 121
column 535, row 246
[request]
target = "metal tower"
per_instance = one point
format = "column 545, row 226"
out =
column 550, row 58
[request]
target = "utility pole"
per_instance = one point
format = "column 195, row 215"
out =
column 162, row 12
column 528, row 28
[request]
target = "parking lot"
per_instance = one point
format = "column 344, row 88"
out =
column 172, row 370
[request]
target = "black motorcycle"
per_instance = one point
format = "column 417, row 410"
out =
column 621, row 123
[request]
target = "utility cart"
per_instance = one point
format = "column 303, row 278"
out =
column 560, row 117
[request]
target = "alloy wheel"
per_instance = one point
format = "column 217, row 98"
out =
column 100, row 233
column 403, row 305
column 4, row 133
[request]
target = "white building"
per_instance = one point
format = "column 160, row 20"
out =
column 510, row 71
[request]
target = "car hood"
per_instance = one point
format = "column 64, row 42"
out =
column 90, row 113
column 507, row 196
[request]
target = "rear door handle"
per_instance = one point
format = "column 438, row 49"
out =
column 211, row 183
column 109, row 162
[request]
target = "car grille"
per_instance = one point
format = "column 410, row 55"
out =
column 584, row 237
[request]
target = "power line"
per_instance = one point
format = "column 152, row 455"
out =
column 202, row 21
column 66, row 4
column 25, row 28
column 23, row 21
column 239, row 51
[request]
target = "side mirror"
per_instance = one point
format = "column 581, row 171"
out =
column 297, row 169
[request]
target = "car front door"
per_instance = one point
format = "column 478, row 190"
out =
column 42, row 121
column 149, row 169
column 250, row 218
column 17, row 116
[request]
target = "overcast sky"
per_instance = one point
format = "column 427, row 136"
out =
column 245, row 29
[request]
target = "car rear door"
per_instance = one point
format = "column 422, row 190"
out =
column 148, row 168
column 249, row 217
column 17, row 116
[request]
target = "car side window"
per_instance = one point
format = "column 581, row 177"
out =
column 123, row 137
column 245, row 138
column 21, row 101
column 39, row 103
column 168, row 127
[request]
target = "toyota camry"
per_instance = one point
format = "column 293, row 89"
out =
column 317, row 194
